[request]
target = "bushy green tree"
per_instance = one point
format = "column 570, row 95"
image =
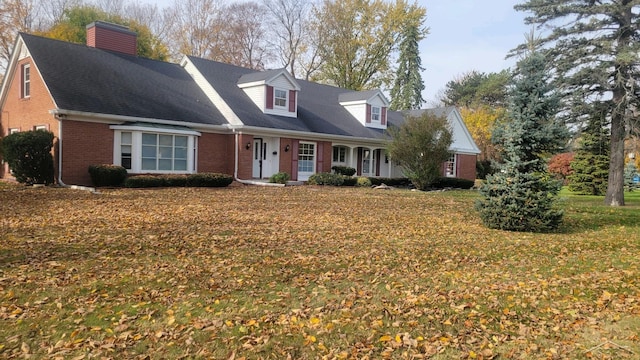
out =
column 594, row 51
column 29, row 156
column 590, row 166
column 421, row 145
column 522, row 195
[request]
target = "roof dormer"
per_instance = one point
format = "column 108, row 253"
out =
column 369, row 107
column 274, row 91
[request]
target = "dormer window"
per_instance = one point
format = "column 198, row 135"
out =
column 375, row 113
column 280, row 98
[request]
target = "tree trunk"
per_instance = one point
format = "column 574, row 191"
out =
column 615, row 186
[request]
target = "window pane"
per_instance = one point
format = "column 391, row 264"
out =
column 181, row 153
column 125, row 150
column 126, row 162
column 148, row 164
column 181, row 141
column 165, row 152
column 149, row 139
column 180, row 165
column 149, row 152
column 164, row 164
column 166, row 140
column 125, row 138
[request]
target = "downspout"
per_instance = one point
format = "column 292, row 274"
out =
column 60, row 182
column 235, row 166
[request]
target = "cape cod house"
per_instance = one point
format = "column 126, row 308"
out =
column 104, row 104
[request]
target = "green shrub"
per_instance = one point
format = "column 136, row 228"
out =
column 279, row 178
column 209, row 180
column 363, row 182
column 326, row 179
column 349, row 181
column 376, row 181
column 174, row 180
column 343, row 170
column 144, row 181
column 107, row 175
column 29, row 156
column 452, row 182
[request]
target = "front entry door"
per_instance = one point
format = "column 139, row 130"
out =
column 259, row 156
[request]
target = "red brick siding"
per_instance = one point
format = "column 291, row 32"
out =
column 84, row 144
column 25, row 114
column 245, row 157
column 285, row 156
column 215, row 153
column 466, row 166
column 102, row 37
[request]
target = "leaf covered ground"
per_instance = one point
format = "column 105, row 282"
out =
column 309, row 273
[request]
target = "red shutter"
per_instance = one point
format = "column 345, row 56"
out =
column 292, row 101
column 383, row 116
column 320, row 158
column 294, row 159
column 269, row 97
column 368, row 118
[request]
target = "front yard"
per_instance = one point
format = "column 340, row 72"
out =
column 309, row 272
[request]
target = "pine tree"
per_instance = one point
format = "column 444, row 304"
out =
column 522, row 195
column 595, row 52
column 406, row 93
column 591, row 164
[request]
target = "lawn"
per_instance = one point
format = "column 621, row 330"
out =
column 308, row 273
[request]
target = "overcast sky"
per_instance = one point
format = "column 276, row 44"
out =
column 464, row 35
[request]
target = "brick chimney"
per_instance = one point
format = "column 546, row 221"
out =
column 108, row 36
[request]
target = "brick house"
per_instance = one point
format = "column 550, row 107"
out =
column 104, row 104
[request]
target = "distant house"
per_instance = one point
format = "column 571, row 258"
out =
column 104, row 104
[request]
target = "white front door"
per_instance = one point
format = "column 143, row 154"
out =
column 259, row 155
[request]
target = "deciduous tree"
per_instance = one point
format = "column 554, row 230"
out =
column 421, row 145
column 594, row 48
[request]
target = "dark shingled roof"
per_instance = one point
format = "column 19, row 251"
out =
column 83, row 78
column 357, row 95
column 319, row 110
column 258, row 76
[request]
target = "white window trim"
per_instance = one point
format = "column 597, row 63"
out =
column 13, row 130
column 451, row 163
column 136, row 148
column 338, row 162
column 286, row 98
column 304, row 175
column 24, row 92
column 379, row 113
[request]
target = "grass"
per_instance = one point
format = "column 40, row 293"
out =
column 310, row 272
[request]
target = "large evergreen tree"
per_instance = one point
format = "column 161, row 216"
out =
column 406, row 93
column 522, row 196
column 595, row 51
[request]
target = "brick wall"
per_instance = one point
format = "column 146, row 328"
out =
column 466, row 166
column 79, row 150
column 25, row 114
column 215, row 153
column 245, row 157
column 111, row 37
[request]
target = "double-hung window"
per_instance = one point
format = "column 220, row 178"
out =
column 450, row 166
column 339, row 154
column 306, row 160
column 26, row 81
column 280, row 98
column 145, row 150
column 375, row 113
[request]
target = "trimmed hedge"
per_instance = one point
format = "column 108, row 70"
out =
column 343, row 170
column 363, row 181
column 452, row 182
column 191, row 180
column 107, row 175
column 326, row 179
column 28, row 154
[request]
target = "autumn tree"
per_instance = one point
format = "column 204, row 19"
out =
column 406, row 93
column 196, row 27
column 15, row 16
column 522, row 196
column 72, row 28
column 243, row 35
column 358, row 36
column 594, row 49
column 420, row 145
column 288, row 24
